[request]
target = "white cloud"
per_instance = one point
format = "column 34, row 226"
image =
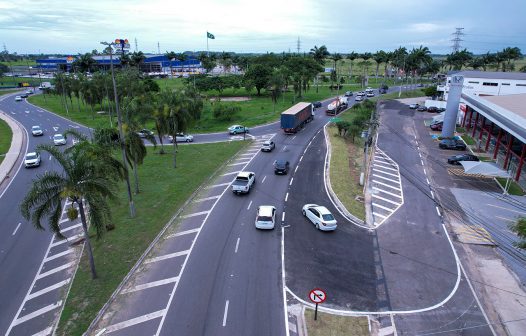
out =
column 425, row 27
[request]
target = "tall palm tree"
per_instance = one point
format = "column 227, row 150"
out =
column 226, row 61
column 319, row 54
column 276, row 83
column 336, row 57
column 88, row 179
column 379, row 57
column 509, row 55
column 85, row 62
column 181, row 57
column 135, row 153
column 137, row 59
column 352, row 56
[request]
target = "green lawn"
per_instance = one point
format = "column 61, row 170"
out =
column 163, row 192
column 334, row 325
column 13, row 81
column 5, row 139
column 4, row 92
column 20, row 62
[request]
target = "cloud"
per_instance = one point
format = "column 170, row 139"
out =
column 425, row 27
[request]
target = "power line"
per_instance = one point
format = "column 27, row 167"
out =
column 457, row 39
column 473, row 327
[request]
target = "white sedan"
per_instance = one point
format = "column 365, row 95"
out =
column 36, row 131
column 320, row 216
column 266, row 217
column 59, row 139
column 32, row 159
column 180, row 137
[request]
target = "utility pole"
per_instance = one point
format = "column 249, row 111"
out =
column 121, row 133
column 457, row 39
column 158, row 48
column 298, row 44
column 136, row 47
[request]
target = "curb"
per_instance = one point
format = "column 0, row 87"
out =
column 15, row 150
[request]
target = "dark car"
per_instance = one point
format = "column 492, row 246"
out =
column 24, row 95
column 432, row 109
column 452, row 144
column 348, row 94
column 421, row 108
column 144, row 133
column 455, row 159
column 441, row 109
column 281, row 167
column 437, row 126
column 316, row 104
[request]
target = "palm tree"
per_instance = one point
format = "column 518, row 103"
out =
column 137, row 58
column 181, row 58
column 135, row 153
column 88, row 179
column 226, row 61
column 366, row 56
column 352, row 56
column 379, row 57
column 319, row 54
column 170, row 55
column 85, row 63
column 276, row 83
column 335, row 58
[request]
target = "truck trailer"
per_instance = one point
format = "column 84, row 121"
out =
column 296, row 117
column 339, row 104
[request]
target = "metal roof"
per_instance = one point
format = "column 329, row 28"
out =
column 489, row 74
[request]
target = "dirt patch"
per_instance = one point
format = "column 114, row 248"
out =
column 234, row 99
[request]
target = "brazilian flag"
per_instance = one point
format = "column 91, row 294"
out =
column 210, row 36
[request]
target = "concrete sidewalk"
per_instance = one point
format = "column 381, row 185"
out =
column 16, row 149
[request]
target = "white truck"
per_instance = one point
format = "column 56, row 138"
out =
column 243, row 182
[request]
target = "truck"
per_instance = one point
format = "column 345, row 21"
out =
column 45, row 85
column 339, row 104
column 293, row 119
column 243, row 182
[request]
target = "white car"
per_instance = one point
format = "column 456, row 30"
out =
column 18, row 98
column 59, row 139
column 32, row 159
column 370, row 94
column 180, row 137
column 266, row 217
column 358, row 98
column 414, row 106
column 320, row 216
column 36, row 131
column 268, row 146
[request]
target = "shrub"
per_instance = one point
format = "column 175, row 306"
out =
column 225, row 112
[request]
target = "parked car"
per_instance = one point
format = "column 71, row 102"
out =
column 421, row 108
column 316, row 104
column 281, row 167
column 455, row 159
column 145, row 133
column 436, row 126
column 32, row 159
column 414, row 106
column 235, row 129
column 320, row 216
column 266, row 217
column 36, row 131
column 432, row 109
column 18, row 98
column 348, row 94
column 181, row 137
column 441, row 109
column 268, row 146
column 452, row 144
column 59, row 139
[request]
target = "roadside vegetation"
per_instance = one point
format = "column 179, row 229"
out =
column 5, row 139
column 335, row 325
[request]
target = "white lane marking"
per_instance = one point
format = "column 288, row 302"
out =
column 419, row 154
column 385, row 167
column 379, row 215
column 232, row 173
column 397, row 181
column 249, row 204
column 386, row 200
column 382, row 207
column 425, row 172
column 50, row 158
column 55, row 270
column 438, row 212
column 496, row 206
column 432, row 195
column 384, row 172
column 69, row 228
column 218, row 185
column 284, row 148
column 196, row 214
column 167, row 256
column 133, row 321
column 295, row 170
column 286, row 197
column 16, row 229
column 506, row 219
column 386, row 192
column 226, row 313
column 237, row 245
column 263, row 180
column 48, row 289
column 206, row 199
column 284, row 287
column 294, row 137
column 37, row 313
column 151, row 285
column 422, row 162
column 301, row 158
column 238, row 163
column 58, row 255
column 67, row 239
column 182, row 233
column 44, row 332
column 427, row 180
column 283, row 216
column 292, row 179
column 386, row 185
column 414, row 136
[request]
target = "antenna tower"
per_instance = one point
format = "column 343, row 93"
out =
column 457, row 38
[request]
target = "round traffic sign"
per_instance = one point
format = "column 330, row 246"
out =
column 317, row 295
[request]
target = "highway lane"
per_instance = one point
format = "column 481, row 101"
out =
column 22, row 248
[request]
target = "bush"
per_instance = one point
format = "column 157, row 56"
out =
column 225, row 112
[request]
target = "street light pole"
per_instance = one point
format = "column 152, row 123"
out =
column 121, row 133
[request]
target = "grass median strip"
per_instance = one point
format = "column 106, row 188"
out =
column 5, row 139
column 163, row 191
column 335, row 325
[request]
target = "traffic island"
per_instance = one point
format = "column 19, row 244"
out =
column 336, row 325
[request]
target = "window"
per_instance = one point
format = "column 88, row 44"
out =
column 505, row 84
column 473, row 82
column 520, row 84
column 490, row 84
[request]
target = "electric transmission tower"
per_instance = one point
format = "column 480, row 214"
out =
column 136, row 48
column 457, row 38
column 298, row 45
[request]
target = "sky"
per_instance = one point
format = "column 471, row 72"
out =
column 73, row 27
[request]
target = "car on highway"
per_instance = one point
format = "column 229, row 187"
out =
column 268, row 146
column 181, row 137
column 281, row 167
column 29, row 92
column 18, row 98
column 37, row 131
column 414, row 106
column 455, row 159
column 24, row 95
column 266, row 217
column 243, row 182
column 432, row 109
column 32, row 159
column 370, row 94
column 236, row 129
column 59, row 139
column 145, row 133
column 360, row 93
column 452, row 144
column 421, row 108
column 358, row 98
column 348, row 93
column 316, row 104
column 320, row 216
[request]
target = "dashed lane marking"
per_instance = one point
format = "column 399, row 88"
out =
column 496, row 206
column 151, row 285
column 166, row 256
column 506, row 219
column 226, row 313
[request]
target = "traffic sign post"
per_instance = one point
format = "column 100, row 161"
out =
column 317, row 295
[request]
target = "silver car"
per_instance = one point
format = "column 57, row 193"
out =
column 59, row 139
column 32, row 159
column 36, row 131
column 320, row 216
